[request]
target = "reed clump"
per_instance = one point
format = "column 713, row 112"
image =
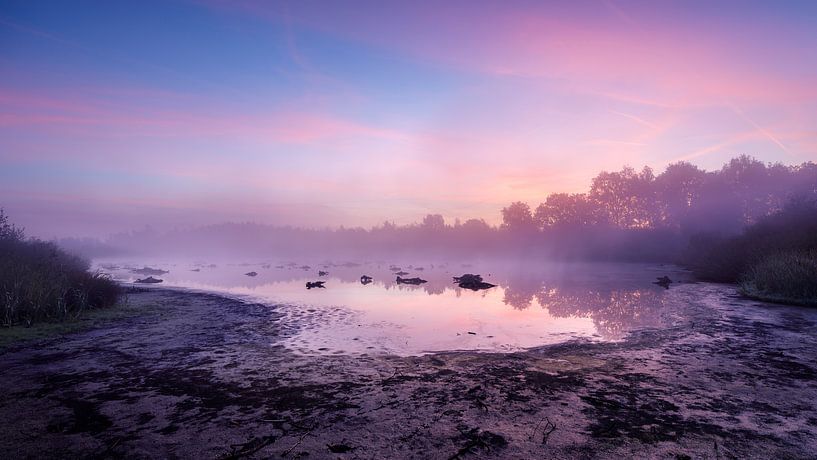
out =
column 41, row 282
column 788, row 277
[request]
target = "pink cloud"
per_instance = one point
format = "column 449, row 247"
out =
column 73, row 115
column 604, row 50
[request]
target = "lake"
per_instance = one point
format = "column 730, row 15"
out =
column 534, row 303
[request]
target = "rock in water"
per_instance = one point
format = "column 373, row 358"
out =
column 410, row 280
column 472, row 282
column 315, row 284
column 251, row 274
column 663, row 281
column 149, row 280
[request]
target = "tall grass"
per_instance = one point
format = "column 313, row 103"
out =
column 789, row 277
column 41, row 282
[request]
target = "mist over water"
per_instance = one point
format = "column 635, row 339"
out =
column 534, row 303
column 543, row 294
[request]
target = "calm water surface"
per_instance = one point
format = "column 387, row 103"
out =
column 533, row 304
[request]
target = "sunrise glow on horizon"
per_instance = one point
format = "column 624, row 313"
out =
column 114, row 115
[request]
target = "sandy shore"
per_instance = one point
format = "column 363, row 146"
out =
column 201, row 376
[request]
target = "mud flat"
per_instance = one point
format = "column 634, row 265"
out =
column 204, row 376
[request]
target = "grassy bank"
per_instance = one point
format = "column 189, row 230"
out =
column 90, row 319
column 39, row 282
column 783, row 278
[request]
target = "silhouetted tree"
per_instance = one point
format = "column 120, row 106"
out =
column 678, row 190
column 434, row 222
column 517, row 217
column 626, row 197
column 747, row 181
column 476, row 226
column 568, row 210
column 9, row 231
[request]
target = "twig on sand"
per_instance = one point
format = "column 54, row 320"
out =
column 549, row 428
column 300, row 440
column 382, row 406
column 393, row 375
column 110, row 448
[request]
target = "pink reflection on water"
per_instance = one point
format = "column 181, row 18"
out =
column 530, row 307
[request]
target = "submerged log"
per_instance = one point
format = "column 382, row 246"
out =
column 401, row 273
column 315, row 284
column 472, row 282
column 149, row 280
column 663, row 281
column 251, row 274
column 410, row 280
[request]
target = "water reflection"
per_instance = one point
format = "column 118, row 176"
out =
column 614, row 313
column 533, row 304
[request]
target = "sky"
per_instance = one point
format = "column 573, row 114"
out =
column 119, row 114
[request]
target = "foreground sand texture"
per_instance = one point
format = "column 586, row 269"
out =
column 202, row 377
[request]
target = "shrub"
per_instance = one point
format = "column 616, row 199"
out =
column 793, row 229
column 789, row 277
column 41, row 282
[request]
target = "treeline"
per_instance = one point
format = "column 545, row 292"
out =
column 683, row 198
column 625, row 215
column 41, row 282
column 629, row 215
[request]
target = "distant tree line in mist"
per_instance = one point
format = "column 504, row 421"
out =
column 626, row 215
column 683, row 198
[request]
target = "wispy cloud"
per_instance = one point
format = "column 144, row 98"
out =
column 763, row 131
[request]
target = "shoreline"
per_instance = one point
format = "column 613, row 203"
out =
column 205, row 377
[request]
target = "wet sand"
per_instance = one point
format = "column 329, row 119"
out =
column 202, row 376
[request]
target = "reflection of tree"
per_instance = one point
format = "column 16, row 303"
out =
column 519, row 293
column 614, row 312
